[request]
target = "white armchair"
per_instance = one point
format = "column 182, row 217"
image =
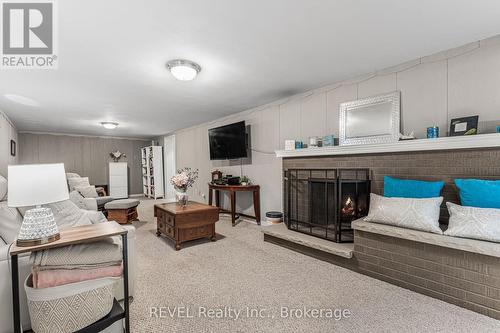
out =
column 87, row 203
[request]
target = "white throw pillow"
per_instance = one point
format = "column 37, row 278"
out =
column 3, row 188
column 10, row 222
column 72, row 175
column 412, row 213
column 76, row 182
column 87, row 191
column 77, row 199
column 473, row 222
column 66, row 214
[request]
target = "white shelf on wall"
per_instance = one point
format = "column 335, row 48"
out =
column 446, row 143
column 152, row 172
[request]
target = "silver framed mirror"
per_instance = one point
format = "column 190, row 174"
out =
column 370, row 120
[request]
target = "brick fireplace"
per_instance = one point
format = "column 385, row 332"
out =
column 429, row 165
column 459, row 271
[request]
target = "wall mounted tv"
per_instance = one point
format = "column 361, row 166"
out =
column 228, row 142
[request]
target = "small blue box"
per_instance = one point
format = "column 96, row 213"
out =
column 498, row 129
column 298, row 144
column 329, row 140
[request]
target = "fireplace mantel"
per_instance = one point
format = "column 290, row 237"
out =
column 445, row 143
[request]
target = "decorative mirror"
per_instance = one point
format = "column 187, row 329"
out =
column 370, row 120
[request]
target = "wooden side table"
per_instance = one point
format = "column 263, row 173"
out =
column 78, row 235
column 232, row 189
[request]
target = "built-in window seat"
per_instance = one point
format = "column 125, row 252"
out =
column 465, row 272
column 464, row 244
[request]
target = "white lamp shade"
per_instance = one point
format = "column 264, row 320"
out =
column 36, row 184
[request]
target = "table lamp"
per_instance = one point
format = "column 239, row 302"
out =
column 36, row 185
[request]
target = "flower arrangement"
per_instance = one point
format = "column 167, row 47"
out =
column 184, row 178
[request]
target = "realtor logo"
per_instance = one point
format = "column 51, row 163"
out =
column 28, row 35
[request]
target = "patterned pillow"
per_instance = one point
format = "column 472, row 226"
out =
column 77, row 199
column 76, row 182
column 87, row 191
column 72, row 175
column 473, row 222
column 412, row 213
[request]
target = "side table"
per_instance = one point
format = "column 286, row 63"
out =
column 78, row 235
column 232, row 189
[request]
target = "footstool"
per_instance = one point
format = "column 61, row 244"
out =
column 122, row 210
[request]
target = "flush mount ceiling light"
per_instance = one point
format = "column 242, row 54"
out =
column 183, row 70
column 109, row 125
column 21, row 100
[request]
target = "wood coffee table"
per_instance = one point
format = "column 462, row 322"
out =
column 182, row 224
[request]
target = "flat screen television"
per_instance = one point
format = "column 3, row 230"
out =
column 228, row 142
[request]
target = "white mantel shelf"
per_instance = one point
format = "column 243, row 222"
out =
column 446, row 143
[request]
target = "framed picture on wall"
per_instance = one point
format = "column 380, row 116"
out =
column 464, row 126
column 12, row 148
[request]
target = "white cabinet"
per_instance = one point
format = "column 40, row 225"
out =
column 118, row 180
column 152, row 172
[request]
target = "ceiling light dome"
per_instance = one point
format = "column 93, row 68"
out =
column 21, row 100
column 109, row 124
column 183, row 70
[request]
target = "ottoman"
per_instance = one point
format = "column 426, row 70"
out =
column 122, row 210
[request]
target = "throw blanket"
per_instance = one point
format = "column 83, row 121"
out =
column 105, row 251
column 51, row 277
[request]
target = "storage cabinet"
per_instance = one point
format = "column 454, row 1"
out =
column 118, row 180
column 152, row 172
column 182, row 224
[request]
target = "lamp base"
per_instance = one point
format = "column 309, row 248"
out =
column 38, row 227
column 39, row 241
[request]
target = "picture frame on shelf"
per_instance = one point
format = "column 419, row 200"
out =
column 464, row 126
column 216, row 176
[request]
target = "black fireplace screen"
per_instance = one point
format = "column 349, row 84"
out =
column 324, row 202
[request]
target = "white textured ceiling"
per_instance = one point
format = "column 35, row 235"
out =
column 112, row 55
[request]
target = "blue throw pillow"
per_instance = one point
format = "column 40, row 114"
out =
column 404, row 188
column 479, row 193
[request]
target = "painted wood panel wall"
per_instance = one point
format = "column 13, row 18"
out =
column 7, row 132
column 87, row 156
column 434, row 89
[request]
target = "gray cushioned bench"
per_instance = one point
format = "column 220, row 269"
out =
column 122, row 210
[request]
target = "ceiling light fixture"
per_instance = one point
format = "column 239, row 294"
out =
column 183, row 70
column 109, row 124
column 21, row 100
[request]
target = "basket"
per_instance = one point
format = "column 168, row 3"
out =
column 71, row 307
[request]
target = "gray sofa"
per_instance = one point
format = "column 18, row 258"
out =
column 10, row 219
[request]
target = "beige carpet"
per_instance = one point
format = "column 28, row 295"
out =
column 241, row 271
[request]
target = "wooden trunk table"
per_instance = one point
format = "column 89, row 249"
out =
column 182, row 224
